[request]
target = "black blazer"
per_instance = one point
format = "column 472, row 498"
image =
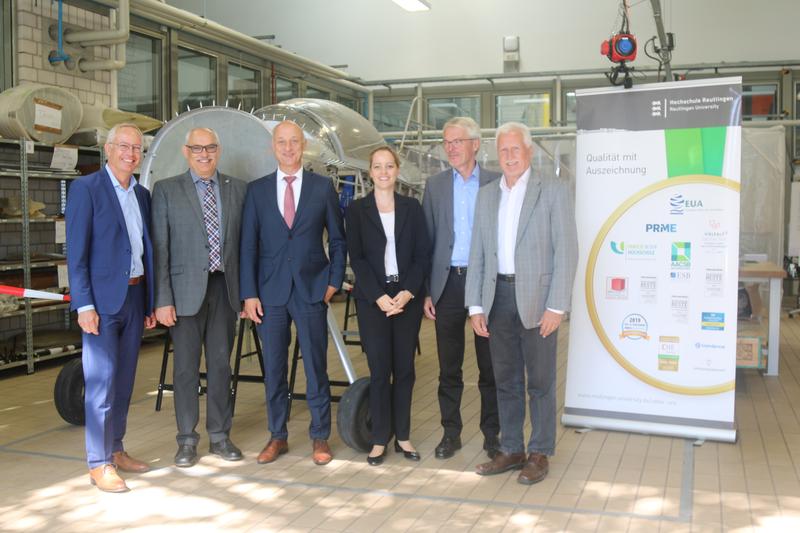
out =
column 366, row 244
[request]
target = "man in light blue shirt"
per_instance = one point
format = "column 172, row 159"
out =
column 110, row 265
column 449, row 206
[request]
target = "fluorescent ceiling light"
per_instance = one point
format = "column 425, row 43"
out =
column 413, row 5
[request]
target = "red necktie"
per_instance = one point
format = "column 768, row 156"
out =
column 288, row 201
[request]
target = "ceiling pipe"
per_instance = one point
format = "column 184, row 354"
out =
column 185, row 21
column 115, row 36
column 664, row 51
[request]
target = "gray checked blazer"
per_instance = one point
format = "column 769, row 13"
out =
column 545, row 256
column 180, row 242
column 437, row 204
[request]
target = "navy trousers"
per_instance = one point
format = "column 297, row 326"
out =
column 312, row 332
column 109, row 369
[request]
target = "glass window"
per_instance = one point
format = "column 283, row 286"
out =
column 197, row 79
column 139, row 82
column 348, row 102
column 313, row 92
column 796, row 116
column 390, row 115
column 440, row 110
column 244, row 87
column 530, row 109
column 5, row 40
column 570, row 108
column 759, row 102
column 285, row 90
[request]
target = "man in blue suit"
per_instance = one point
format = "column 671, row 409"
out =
column 286, row 277
column 110, row 263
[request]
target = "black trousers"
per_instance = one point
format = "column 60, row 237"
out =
column 450, row 318
column 389, row 343
column 212, row 328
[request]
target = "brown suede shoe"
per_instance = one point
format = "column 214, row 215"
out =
column 272, row 450
column 535, row 469
column 105, row 478
column 126, row 463
column 322, row 452
column 502, row 462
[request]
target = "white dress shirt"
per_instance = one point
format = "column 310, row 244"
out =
column 390, row 254
column 296, row 186
column 511, row 199
column 508, row 221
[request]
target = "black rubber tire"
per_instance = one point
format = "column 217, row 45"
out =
column 353, row 418
column 68, row 393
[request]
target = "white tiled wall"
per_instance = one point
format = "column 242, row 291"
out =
column 33, row 46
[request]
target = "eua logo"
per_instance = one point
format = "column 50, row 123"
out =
column 618, row 247
column 676, row 204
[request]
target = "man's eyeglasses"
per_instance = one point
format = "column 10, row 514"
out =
column 455, row 143
column 125, row 147
column 198, row 148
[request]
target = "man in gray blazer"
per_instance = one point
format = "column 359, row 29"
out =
column 519, row 285
column 196, row 223
column 449, row 206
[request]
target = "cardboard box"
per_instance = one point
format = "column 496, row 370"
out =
column 749, row 353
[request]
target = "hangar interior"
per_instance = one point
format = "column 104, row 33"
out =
column 354, row 76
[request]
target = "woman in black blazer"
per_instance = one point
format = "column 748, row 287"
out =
column 389, row 254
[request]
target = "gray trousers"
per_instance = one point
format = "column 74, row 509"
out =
column 211, row 328
column 517, row 352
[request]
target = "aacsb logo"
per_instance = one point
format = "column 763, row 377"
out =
column 681, row 256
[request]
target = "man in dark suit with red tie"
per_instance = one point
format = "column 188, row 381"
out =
column 286, row 277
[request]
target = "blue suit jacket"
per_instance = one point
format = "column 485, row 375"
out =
column 98, row 246
column 272, row 256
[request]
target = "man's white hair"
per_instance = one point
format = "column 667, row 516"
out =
column 515, row 127
column 207, row 130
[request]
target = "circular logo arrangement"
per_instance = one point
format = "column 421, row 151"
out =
column 655, row 284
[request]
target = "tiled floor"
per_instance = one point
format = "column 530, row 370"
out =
column 599, row 481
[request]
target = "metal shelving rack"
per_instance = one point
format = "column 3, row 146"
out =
column 32, row 355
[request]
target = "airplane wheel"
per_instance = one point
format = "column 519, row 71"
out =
column 353, row 418
column 68, row 393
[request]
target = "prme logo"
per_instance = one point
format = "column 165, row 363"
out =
column 661, row 228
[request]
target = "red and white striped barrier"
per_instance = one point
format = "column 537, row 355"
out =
column 19, row 292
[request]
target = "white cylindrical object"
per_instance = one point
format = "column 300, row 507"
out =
column 39, row 113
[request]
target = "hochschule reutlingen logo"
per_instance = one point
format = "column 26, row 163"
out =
column 618, row 247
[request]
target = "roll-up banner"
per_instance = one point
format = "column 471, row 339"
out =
column 652, row 341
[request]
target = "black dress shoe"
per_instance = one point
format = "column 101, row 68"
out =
column 492, row 446
column 186, row 456
column 411, row 456
column 226, row 449
column 377, row 459
column 447, row 448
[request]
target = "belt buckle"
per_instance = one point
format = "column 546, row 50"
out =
column 394, row 278
column 460, row 270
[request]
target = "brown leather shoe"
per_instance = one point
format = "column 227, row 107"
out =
column 272, row 450
column 126, row 463
column 535, row 469
column 322, row 452
column 502, row 462
column 105, row 478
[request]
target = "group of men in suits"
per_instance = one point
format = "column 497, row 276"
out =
column 504, row 254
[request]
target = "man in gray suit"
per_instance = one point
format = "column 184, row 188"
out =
column 449, row 206
column 519, row 285
column 196, row 223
